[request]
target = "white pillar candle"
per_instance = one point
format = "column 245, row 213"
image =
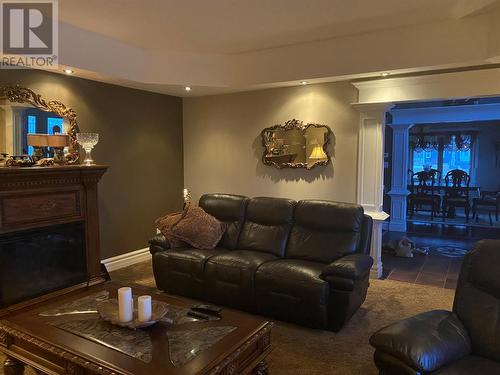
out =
column 125, row 304
column 144, row 308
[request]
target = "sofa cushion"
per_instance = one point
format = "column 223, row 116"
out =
column 470, row 365
column 293, row 288
column 230, row 209
column 181, row 271
column 229, row 277
column 324, row 231
column 267, row 225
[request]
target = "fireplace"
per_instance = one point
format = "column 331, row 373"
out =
column 40, row 261
column 49, row 233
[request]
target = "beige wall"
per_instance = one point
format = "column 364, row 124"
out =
column 222, row 143
column 140, row 140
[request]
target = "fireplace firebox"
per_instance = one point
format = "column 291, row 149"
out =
column 49, row 233
column 35, row 262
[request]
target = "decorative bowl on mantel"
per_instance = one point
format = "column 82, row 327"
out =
column 108, row 310
column 19, row 161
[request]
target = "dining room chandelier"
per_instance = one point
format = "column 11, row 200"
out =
column 423, row 143
column 459, row 143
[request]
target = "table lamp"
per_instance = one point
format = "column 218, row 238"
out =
column 317, row 151
column 58, row 142
column 39, row 142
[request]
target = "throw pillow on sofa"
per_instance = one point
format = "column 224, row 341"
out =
column 165, row 223
column 193, row 226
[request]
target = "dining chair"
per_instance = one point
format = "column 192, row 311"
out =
column 487, row 201
column 456, row 193
column 424, row 192
column 438, row 176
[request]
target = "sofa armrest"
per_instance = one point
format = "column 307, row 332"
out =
column 426, row 341
column 353, row 266
column 158, row 243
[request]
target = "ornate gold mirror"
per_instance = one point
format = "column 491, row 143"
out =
column 33, row 128
column 296, row 145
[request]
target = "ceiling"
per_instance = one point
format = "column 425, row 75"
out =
column 217, row 45
column 235, row 26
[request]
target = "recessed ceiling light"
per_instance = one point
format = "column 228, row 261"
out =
column 187, row 88
column 385, row 74
column 68, row 71
column 304, row 82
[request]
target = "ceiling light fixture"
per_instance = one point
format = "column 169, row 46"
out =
column 68, row 71
column 187, row 88
column 304, row 82
column 385, row 74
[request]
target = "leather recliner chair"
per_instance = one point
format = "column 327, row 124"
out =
column 304, row 262
column 463, row 341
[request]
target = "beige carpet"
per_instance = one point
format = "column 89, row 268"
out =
column 299, row 350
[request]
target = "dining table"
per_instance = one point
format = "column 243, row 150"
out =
column 441, row 190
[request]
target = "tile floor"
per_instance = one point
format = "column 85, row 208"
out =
column 434, row 269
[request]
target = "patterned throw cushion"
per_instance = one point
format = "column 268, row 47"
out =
column 193, row 226
column 165, row 223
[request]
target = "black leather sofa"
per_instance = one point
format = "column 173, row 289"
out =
column 463, row 341
column 304, row 262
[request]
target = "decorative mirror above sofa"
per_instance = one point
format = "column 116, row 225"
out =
column 31, row 124
column 296, row 145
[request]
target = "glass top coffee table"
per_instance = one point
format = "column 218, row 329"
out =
column 66, row 335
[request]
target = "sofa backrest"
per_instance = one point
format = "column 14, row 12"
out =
column 477, row 298
column 366, row 235
column 324, row 231
column 229, row 209
column 267, row 225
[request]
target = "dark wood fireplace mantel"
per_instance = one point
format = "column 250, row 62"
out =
column 41, row 197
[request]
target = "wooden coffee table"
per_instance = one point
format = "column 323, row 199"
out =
column 26, row 337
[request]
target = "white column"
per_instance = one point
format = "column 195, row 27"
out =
column 370, row 189
column 399, row 186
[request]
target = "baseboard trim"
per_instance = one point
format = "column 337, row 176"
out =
column 127, row 259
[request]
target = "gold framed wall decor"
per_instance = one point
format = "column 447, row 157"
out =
column 23, row 95
column 296, row 145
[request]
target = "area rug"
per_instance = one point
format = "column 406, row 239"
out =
column 450, row 251
column 299, row 350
